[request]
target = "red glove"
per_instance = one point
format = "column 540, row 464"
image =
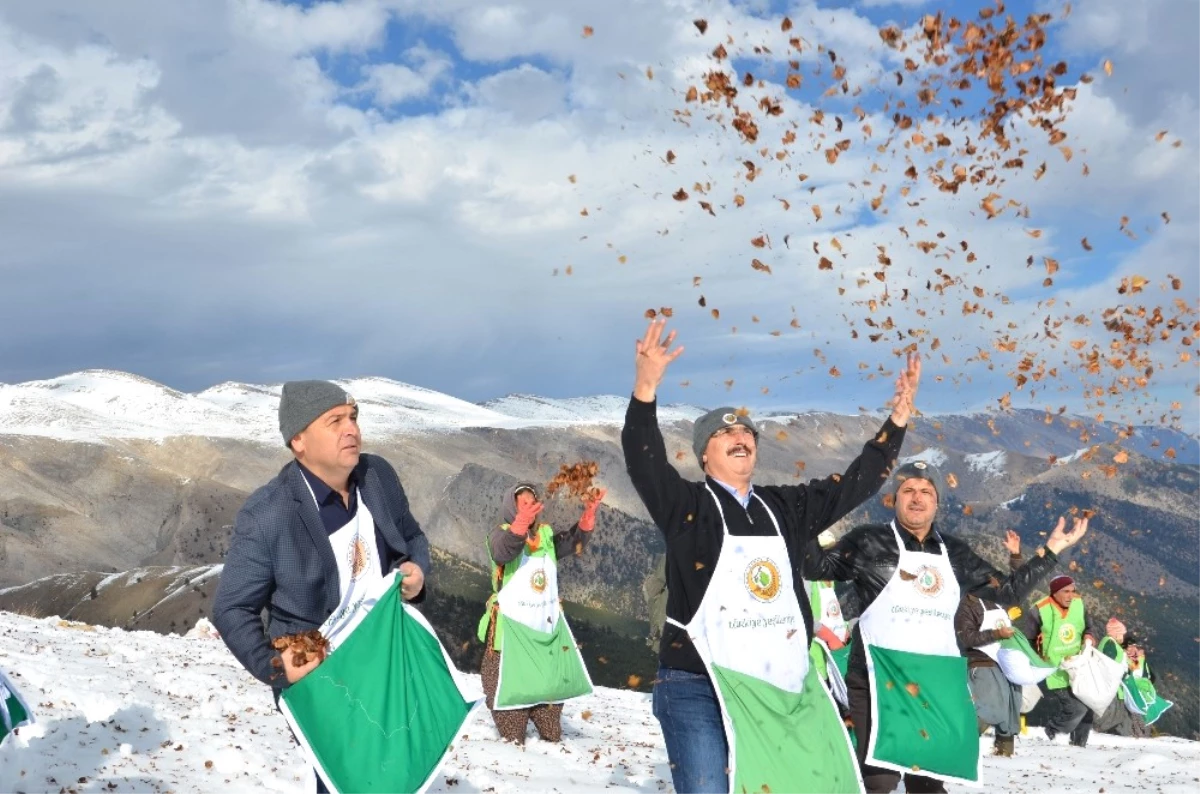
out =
column 831, row 639
column 525, row 518
column 587, row 522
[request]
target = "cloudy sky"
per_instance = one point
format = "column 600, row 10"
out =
column 210, row 190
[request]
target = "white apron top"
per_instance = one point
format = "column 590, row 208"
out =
column 750, row 623
column 359, row 568
column 993, row 619
column 915, row 611
column 531, row 595
column 749, row 619
column 830, row 615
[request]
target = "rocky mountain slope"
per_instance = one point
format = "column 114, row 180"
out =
column 109, row 473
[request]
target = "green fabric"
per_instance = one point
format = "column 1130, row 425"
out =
column 841, row 658
column 1132, row 695
column 1061, row 637
column 380, row 713
column 545, row 549
column 1155, row 706
column 13, row 711
column 783, row 741
column 1112, row 649
column 539, row 666
column 924, row 719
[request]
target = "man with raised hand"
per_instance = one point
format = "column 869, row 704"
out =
column 333, row 520
column 1060, row 626
column 739, row 705
column 904, row 651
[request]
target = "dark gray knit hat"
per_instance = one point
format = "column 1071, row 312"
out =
column 920, row 470
column 303, row 401
column 713, row 421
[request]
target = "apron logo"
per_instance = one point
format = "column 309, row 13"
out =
column 928, row 581
column 762, row 579
column 1066, row 634
column 538, row 581
column 834, row 611
column 358, row 555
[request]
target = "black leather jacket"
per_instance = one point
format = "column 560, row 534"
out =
column 867, row 556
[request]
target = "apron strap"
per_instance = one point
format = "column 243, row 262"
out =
column 721, row 511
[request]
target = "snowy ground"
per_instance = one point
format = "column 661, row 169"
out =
column 122, row 711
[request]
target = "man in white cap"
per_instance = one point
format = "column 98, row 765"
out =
column 739, row 705
column 333, row 520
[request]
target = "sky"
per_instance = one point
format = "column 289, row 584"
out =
column 249, row 190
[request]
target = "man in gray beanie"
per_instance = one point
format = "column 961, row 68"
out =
column 910, row 579
column 329, row 523
column 734, row 588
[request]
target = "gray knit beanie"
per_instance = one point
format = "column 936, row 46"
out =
column 713, row 421
column 303, row 401
column 921, row 471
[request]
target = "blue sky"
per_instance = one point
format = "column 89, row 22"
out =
column 248, row 190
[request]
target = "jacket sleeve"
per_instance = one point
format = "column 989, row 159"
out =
column 247, row 581
column 838, row 563
column 571, row 543
column 414, row 537
column 666, row 495
column 820, row 503
column 1033, row 627
column 504, row 546
column 966, row 625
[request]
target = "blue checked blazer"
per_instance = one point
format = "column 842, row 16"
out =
column 280, row 559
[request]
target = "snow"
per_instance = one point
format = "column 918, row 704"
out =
column 1016, row 501
column 931, row 455
column 100, row 405
column 990, row 464
column 128, row 711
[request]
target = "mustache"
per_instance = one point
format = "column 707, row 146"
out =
column 738, row 447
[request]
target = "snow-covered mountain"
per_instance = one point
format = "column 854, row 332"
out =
column 136, row 711
column 103, row 404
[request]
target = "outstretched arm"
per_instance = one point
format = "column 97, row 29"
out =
column 659, row 485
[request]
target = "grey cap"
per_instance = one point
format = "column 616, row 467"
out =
column 920, row 470
column 303, row 401
column 713, row 421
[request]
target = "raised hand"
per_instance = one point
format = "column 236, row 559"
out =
column 653, row 357
column 904, row 400
column 587, row 521
column 1060, row 539
column 1012, row 542
column 526, row 515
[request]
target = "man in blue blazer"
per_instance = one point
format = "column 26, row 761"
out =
column 282, row 557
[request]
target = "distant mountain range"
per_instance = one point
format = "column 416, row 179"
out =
column 109, row 473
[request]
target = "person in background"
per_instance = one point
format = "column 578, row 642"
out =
column 997, row 700
column 909, row 578
column 517, row 540
column 654, row 590
column 1059, row 627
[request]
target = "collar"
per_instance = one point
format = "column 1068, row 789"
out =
column 321, row 490
column 743, row 500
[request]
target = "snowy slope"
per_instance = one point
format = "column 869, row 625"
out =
column 135, row 711
column 102, row 404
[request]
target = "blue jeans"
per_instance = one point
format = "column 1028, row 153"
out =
column 685, row 705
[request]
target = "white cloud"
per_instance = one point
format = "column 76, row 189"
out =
column 203, row 161
column 393, row 83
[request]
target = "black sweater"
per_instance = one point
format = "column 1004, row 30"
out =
column 691, row 524
column 867, row 555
